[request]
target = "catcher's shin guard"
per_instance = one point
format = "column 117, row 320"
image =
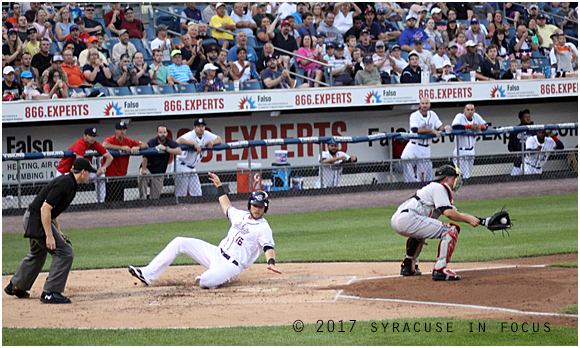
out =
column 446, row 247
column 409, row 266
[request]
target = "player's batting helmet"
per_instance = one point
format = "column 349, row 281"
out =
column 259, row 198
column 447, row 170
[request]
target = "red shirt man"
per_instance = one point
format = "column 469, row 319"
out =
column 133, row 26
column 115, row 15
column 119, row 142
column 87, row 142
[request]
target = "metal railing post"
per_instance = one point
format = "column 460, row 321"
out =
column 523, row 151
column 98, row 183
column 19, row 184
column 320, row 170
column 175, row 179
column 391, row 160
column 251, row 177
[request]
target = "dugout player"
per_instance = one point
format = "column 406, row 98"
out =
column 515, row 142
column 188, row 160
column 423, row 121
column 119, row 142
column 42, row 228
column 88, row 142
column 471, row 121
column 331, row 174
column 533, row 162
column 417, row 217
column 156, row 164
column 249, row 234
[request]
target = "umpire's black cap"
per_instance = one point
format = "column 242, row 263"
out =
column 83, row 164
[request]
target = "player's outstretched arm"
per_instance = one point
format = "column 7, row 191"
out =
column 454, row 215
column 271, row 257
column 223, row 197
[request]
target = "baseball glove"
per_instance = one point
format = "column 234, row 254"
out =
column 499, row 221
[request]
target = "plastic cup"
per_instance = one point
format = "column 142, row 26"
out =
column 518, row 74
column 472, row 76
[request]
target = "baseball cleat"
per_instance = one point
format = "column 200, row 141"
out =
column 197, row 279
column 12, row 290
column 136, row 272
column 406, row 271
column 445, row 274
column 54, row 297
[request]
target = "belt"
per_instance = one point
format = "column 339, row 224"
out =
column 416, row 197
column 466, row 149
column 183, row 163
column 227, row 257
column 419, row 144
column 405, row 211
column 534, row 166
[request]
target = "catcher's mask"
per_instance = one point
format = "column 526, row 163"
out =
column 259, row 198
column 447, row 170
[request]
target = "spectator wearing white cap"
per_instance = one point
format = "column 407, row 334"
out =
column 447, row 74
column 412, row 73
column 163, row 42
column 209, row 81
column 10, row 89
column 56, row 64
column 471, row 57
column 399, row 63
column 382, row 61
column 440, row 24
column 223, row 21
column 124, row 46
column 425, row 57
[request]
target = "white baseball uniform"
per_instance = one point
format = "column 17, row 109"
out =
column 244, row 243
column 466, row 144
column 186, row 163
column 330, row 173
column 534, row 162
column 420, row 170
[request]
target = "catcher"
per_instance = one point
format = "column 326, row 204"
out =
column 417, row 217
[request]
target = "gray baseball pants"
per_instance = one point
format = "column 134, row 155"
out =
column 62, row 259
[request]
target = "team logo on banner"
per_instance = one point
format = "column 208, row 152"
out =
column 246, row 103
column 373, row 97
column 113, row 109
column 498, row 92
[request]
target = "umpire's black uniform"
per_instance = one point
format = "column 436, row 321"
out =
column 58, row 194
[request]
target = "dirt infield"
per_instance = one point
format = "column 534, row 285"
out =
column 520, row 290
column 510, row 290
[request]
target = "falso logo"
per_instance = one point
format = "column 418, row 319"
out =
column 373, row 97
column 498, row 92
column 113, row 109
column 247, row 103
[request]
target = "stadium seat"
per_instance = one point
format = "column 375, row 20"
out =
column 405, row 56
column 504, row 65
column 537, row 54
column 150, row 32
column 464, row 22
column 54, row 48
column 251, row 85
column 101, row 21
column 229, row 86
column 104, row 90
column 141, row 90
column 512, row 32
column 60, row 45
column 163, row 89
column 176, row 40
column 464, row 77
column 177, row 9
column 119, row 91
column 259, row 50
column 189, row 88
column 108, row 44
column 484, row 22
column 302, row 72
column 71, row 90
column 138, row 44
column 252, row 41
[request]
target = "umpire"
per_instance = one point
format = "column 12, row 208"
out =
column 46, row 237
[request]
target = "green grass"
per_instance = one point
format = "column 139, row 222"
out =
column 565, row 264
column 363, row 333
column 543, row 225
column 571, row 309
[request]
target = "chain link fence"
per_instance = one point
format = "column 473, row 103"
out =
column 286, row 180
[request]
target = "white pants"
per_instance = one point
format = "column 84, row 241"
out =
column 421, row 169
column 100, row 188
column 186, row 182
column 517, row 170
column 411, row 224
column 219, row 270
column 465, row 163
column 528, row 169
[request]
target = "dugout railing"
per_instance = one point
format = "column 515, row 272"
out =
column 288, row 180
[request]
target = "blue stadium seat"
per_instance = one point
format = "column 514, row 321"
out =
column 138, row 44
column 101, row 21
column 252, row 41
column 71, row 90
column 119, row 91
column 102, row 89
column 176, row 40
column 177, row 9
column 150, row 32
column 484, row 22
column 537, row 54
column 189, row 88
column 159, row 14
column 141, row 90
column 300, row 71
column 464, row 77
column 53, row 48
column 60, row 45
column 405, row 56
column 504, row 65
column 512, row 32
column 464, row 22
column 163, row 89
column 108, row 44
column 251, row 85
column 229, row 86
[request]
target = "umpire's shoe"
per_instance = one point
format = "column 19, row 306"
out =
column 406, row 269
column 54, row 297
column 136, row 272
column 445, row 274
column 12, row 290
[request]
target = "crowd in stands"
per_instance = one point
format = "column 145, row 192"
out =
column 61, row 47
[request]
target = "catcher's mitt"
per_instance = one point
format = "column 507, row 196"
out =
column 499, row 221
